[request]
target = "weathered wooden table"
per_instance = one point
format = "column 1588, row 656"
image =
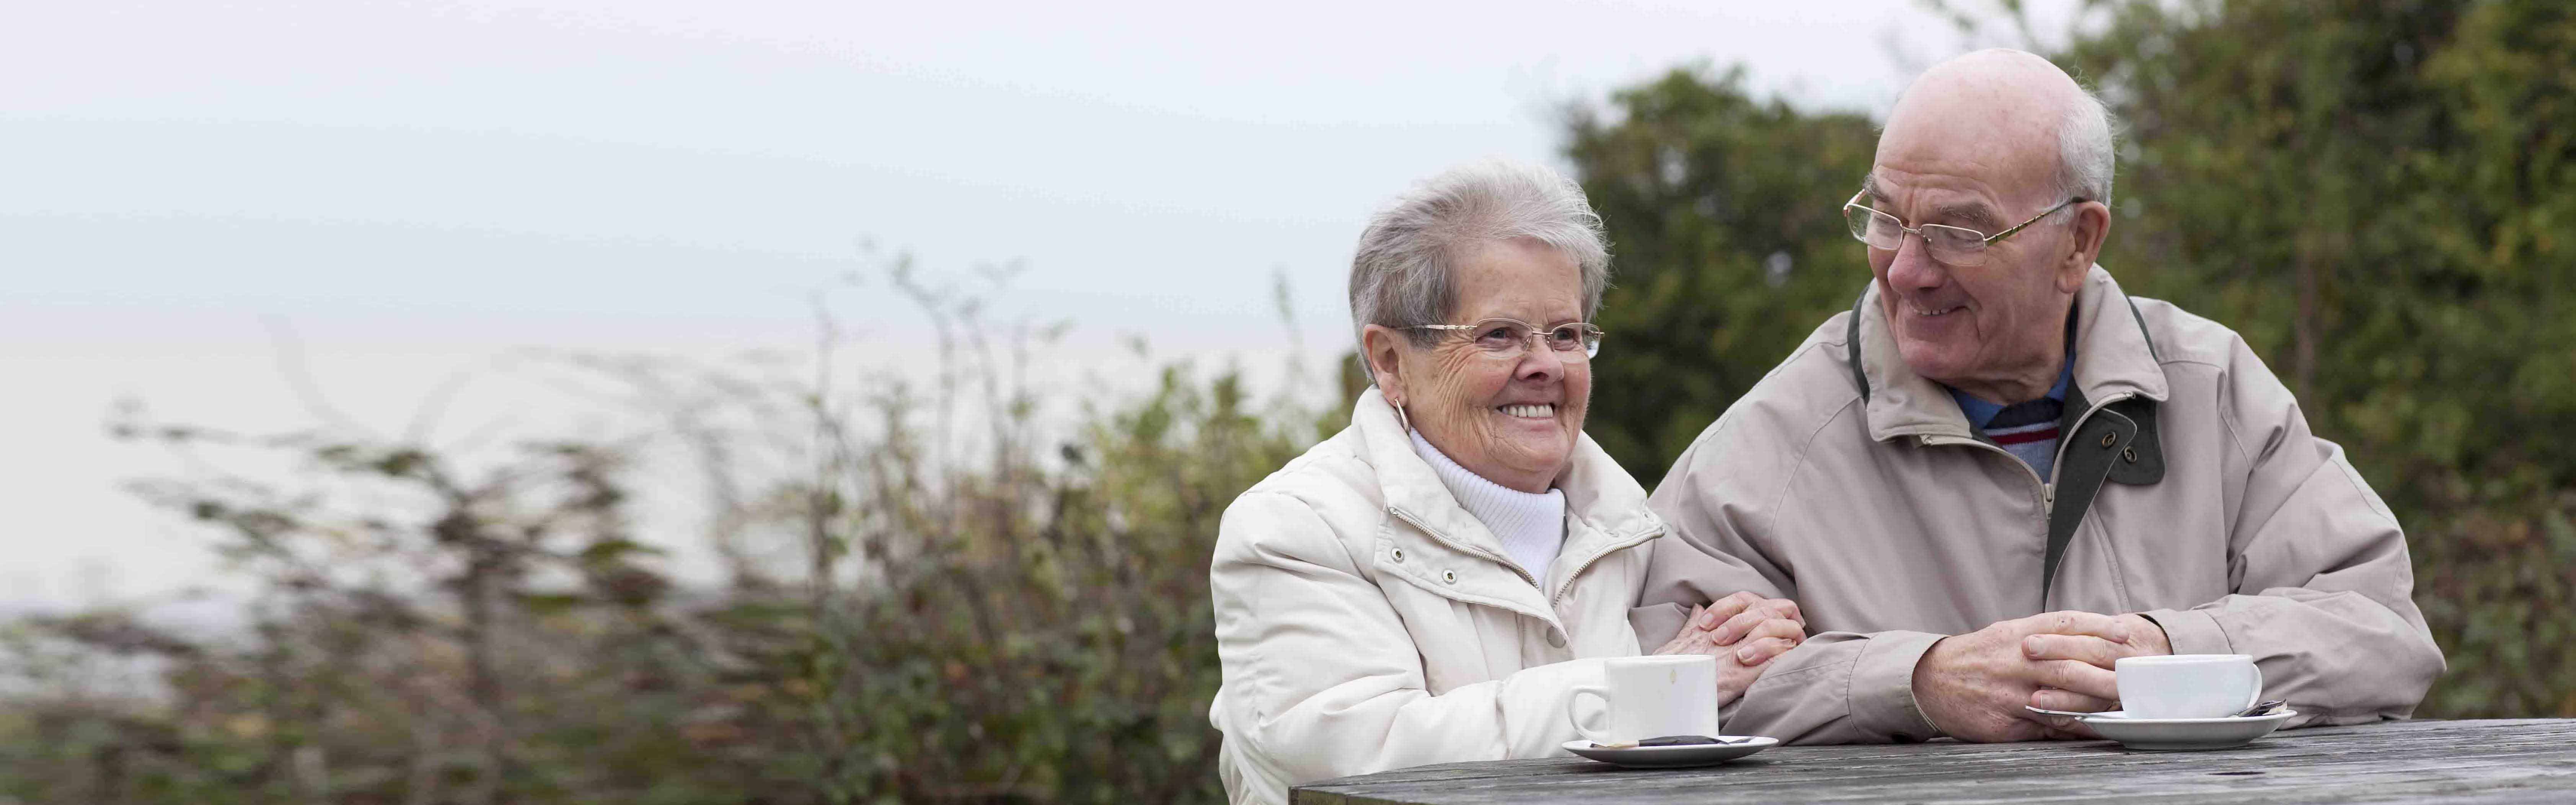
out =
column 2531, row 760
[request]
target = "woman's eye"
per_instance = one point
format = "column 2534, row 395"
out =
column 1498, row 334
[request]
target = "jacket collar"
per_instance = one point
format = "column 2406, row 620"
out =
column 1598, row 493
column 2113, row 358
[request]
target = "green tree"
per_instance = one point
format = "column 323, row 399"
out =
column 1724, row 214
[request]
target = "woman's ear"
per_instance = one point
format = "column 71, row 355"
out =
column 1380, row 348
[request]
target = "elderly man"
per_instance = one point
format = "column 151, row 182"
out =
column 1998, row 473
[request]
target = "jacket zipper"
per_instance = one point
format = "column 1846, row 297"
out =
column 1445, row 540
column 2047, row 487
column 1588, row 563
column 2047, row 491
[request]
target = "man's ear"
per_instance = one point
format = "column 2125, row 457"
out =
column 2090, row 229
column 1379, row 348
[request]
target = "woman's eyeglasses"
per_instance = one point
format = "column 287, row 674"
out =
column 1508, row 336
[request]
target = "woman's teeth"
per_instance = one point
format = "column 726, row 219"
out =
column 1942, row 312
column 1530, row 411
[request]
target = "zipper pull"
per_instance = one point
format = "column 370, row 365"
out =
column 2048, row 498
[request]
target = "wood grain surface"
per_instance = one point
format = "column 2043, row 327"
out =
column 2453, row 761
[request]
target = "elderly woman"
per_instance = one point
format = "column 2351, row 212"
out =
column 1431, row 584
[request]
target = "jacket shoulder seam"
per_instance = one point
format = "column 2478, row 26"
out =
column 2193, row 362
column 2170, row 323
column 2227, row 415
column 1806, row 447
column 1332, row 535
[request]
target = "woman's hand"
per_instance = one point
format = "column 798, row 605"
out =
column 1743, row 631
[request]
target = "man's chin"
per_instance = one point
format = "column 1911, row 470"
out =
column 1931, row 361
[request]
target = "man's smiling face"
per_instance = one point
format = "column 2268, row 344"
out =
column 1948, row 156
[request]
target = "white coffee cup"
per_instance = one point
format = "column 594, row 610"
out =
column 2188, row 685
column 1654, row 696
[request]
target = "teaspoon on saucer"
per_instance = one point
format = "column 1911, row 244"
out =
column 2059, row 713
column 2262, row 708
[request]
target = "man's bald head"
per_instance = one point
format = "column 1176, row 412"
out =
column 2013, row 112
column 1998, row 143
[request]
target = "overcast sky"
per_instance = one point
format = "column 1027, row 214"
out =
column 416, row 189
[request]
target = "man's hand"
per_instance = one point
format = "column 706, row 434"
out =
column 1974, row 686
column 2097, row 657
column 1743, row 631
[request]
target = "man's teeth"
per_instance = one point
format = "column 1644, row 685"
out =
column 1531, row 411
column 1943, row 312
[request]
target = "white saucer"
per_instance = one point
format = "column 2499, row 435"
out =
column 2184, row 734
column 1673, row 757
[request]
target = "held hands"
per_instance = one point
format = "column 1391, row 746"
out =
column 1974, row 686
column 1743, row 631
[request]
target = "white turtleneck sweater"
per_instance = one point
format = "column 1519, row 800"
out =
column 1531, row 526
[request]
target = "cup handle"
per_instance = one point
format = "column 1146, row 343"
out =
column 2257, row 695
column 1593, row 691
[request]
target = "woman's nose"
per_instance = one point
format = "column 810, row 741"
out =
column 1539, row 361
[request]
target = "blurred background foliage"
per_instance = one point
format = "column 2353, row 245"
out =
column 2380, row 195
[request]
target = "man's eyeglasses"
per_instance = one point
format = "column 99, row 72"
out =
column 1502, row 337
column 1952, row 245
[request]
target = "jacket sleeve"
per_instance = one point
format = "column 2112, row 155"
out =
column 1837, row 687
column 2324, row 588
column 1322, row 680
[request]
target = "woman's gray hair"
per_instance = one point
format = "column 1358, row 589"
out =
column 1401, row 274
column 2084, row 149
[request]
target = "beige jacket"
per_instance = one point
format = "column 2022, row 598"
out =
column 1366, row 622
column 2187, row 488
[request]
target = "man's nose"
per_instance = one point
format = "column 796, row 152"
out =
column 1914, row 266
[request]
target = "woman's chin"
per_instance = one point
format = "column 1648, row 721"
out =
column 1546, row 453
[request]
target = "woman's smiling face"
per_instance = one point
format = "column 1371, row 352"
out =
column 1512, row 418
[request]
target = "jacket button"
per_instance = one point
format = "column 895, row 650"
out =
column 2129, row 455
column 1450, row 576
column 1555, row 639
column 2109, row 439
column 1399, row 554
